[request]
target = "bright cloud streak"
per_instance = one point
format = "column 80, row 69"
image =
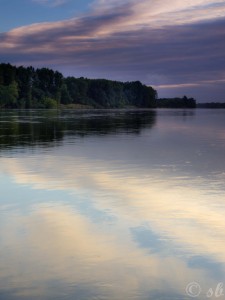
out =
column 171, row 86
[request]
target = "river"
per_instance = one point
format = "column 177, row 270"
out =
column 112, row 205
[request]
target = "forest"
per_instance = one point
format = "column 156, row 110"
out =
column 26, row 87
column 183, row 102
column 211, row 105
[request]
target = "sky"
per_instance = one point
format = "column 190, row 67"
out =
column 176, row 46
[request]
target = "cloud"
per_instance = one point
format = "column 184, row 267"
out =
column 137, row 202
column 65, row 244
column 158, row 13
column 173, row 42
column 65, row 247
column 207, row 82
column 85, row 235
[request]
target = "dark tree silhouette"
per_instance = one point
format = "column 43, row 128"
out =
column 26, row 87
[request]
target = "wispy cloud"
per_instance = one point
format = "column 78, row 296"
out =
column 193, row 84
column 158, row 13
column 163, row 43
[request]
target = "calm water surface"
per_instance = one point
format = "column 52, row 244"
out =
column 112, row 205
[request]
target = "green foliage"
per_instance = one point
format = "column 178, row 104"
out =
column 8, row 95
column 102, row 93
column 22, row 87
column 65, row 95
column 49, row 103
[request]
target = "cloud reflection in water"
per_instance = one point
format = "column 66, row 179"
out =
column 119, row 230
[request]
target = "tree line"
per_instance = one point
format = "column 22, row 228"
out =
column 211, row 105
column 27, row 87
column 183, row 102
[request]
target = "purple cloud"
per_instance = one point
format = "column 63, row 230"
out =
column 132, row 43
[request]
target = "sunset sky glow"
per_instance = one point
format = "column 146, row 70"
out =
column 175, row 46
